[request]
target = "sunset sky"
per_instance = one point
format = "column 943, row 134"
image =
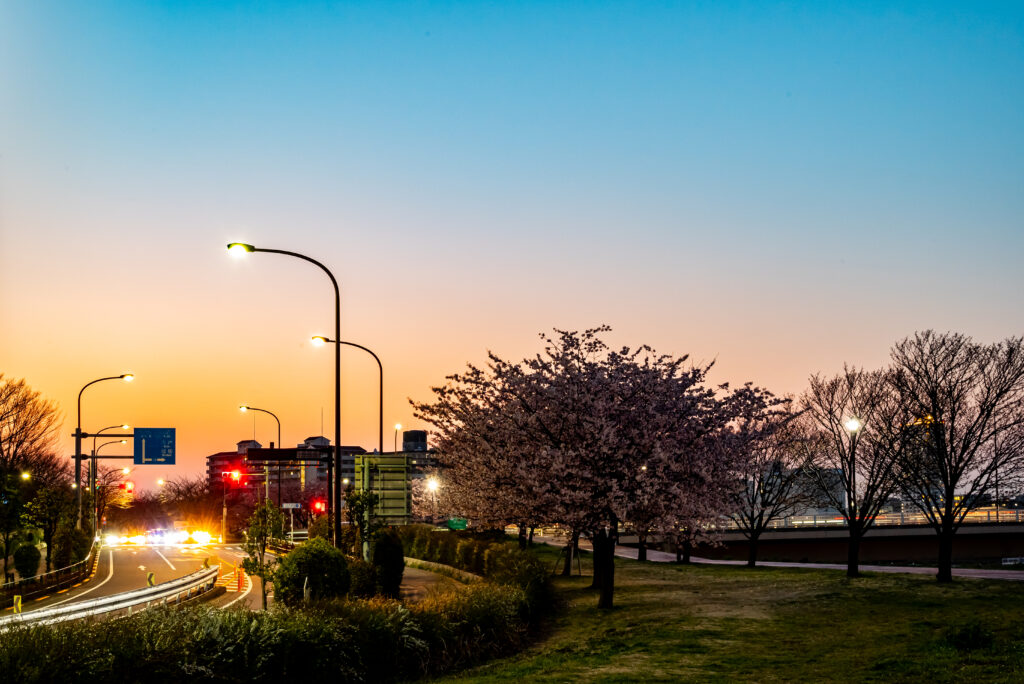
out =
column 783, row 187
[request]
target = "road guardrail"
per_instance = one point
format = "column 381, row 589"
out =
column 188, row 586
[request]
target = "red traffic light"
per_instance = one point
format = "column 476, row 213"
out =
column 319, row 505
column 129, row 486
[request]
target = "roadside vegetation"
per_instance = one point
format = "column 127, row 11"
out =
column 351, row 639
column 732, row 624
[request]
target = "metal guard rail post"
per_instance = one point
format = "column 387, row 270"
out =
column 116, row 602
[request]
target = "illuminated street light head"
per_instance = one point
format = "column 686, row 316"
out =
column 853, row 425
column 25, row 475
column 127, row 377
column 126, row 427
column 124, row 441
column 160, row 482
column 319, row 340
column 240, row 249
column 433, row 484
column 243, row 408
column 398, row 426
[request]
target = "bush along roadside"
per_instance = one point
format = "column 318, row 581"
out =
column 491, row 557
column 375, row 639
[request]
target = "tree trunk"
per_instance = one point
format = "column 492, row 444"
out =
column 687, row 549
column 522, row 535
column 610, row 536
column 641, row 550
column 597, row 541
column 853, row 554
column 533, row 529
column 571, row 549
column 263, row 590
column 945, row 573
column 752, row 549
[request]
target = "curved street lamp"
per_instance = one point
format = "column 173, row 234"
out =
column 266, row 471
column 333, row 465
column 320, row 340
column 127, row 377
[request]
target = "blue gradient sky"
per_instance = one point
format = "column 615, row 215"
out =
column 781, row 186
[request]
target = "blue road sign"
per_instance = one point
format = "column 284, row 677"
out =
column 154, row 446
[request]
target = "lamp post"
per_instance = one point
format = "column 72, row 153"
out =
column 94, row 473
column 398, row 426
column 320, row 340
column 334, row 465
column 853, row 426
column 94, row 466
column 266, row 471
column 127, row 377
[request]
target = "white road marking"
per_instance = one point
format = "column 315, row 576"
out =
column 165, row 558
column 95, row 586
column 248, row 588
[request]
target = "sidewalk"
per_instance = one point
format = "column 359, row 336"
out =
column 662, row 557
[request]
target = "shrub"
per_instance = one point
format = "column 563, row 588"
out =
column 320, row 527
column 26, row 560
column 363, row 582
column 348, row 541
column 324, row 565
column 81, row 544
column 71, row 545
column 61, row 549
column 488, row 555
column 389, row 562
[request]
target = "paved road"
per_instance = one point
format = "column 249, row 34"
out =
column 662, row 557
column 125, row 568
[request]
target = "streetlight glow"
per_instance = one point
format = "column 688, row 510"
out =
column 432, row 484
column 319, row 340
column 240, row 249
column 853, row 425
column 125, row 471
column 25, row 475
column 243, row 408
column 128, row 377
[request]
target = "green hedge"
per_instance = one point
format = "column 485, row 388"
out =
column 494, row 558
column 375, row 640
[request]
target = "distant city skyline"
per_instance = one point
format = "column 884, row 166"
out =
column 781, row 188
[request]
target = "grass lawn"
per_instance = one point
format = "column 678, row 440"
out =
column 728, row 624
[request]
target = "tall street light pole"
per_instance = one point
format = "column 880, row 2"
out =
column 93, row 476
column 333, row 465
column 245, row 407
column 94, row 468
column 320, row 340
column 127, row 377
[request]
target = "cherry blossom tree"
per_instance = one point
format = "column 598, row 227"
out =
column 582, row 435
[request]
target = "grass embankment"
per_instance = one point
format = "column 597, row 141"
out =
column 727, row 624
